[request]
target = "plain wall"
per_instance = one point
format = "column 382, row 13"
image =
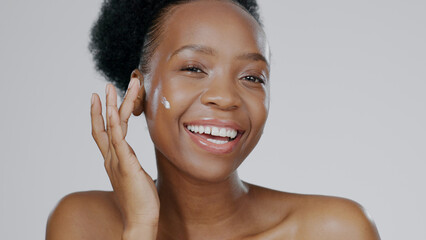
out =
column 347, row 117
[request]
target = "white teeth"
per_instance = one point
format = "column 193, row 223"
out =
column 214, row 131
column 233, row 133
column 216, row 141
column 207, row 130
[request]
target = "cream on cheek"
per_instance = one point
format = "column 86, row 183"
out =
column 156, row 100
column 165, row 103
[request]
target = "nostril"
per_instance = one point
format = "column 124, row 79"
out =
column 221, row 93
column 222, row 102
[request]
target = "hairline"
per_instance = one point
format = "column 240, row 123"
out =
column 156, row 31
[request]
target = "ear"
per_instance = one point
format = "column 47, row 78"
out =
column 139, row 102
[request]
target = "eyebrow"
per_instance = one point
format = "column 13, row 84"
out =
column 253, row 57
column 195, row 48
column 210, row 51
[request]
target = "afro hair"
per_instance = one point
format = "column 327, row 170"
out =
column 118, row 35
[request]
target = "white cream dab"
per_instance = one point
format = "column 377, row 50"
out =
column 165, row 103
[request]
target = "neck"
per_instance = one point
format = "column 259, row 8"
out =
column 188, row 203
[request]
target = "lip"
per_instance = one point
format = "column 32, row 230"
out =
column 212, row 147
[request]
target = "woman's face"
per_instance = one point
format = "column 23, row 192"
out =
column 208, row 90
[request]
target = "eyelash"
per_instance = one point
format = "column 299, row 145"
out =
column 195, row 69
column 254, row 79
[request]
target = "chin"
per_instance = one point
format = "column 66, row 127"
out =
column 214, row 174
column 208, row 169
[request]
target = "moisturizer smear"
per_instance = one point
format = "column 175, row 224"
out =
column 165, row 103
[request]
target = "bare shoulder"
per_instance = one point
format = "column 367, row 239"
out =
column 85, row 215
column 324, row 217
column 318, row 217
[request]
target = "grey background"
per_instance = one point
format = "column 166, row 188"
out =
column 347, row 116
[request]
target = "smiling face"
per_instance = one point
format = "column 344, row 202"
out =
column 207, row 94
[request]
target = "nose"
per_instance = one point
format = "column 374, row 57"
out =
column 221, row 93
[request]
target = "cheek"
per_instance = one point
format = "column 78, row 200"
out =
column 152, row 105
column 259, row 115
column 157, row 110
column 168, row 101
column 178, row 95
column 256, row 110
column 258, row 107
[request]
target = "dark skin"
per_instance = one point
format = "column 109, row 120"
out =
column 215, row 66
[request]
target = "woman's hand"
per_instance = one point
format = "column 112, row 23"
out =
column 133, row 187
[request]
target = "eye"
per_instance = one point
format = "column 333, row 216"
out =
column 254, row 79
column 192, row 68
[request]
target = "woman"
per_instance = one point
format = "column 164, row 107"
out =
column 202, row 82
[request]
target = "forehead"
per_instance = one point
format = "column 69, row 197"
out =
column 221, row 25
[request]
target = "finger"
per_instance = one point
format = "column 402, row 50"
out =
column 128, row 104
column 125, row 155
column 111, row 96
column 139, row 102
column 111, row 102
column 98, row 126
column 111, row 105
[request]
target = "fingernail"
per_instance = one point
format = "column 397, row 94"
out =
column 92, row 100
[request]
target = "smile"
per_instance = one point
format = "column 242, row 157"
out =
column 214, row 132
column 214, row 138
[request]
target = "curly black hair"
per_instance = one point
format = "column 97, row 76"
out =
column 125, row 35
